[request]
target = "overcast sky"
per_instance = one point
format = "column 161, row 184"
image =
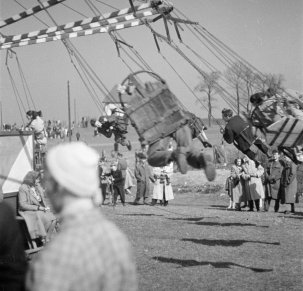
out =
column 267, row 33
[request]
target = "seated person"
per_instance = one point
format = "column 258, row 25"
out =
column 197, row 126
column 39, row 219
column 238, row 132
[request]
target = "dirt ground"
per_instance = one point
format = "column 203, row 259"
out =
column 196, row 244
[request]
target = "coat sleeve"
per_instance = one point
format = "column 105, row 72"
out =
column 292, row 174
column 24, row 205
column 228, row 134
column 138, row 174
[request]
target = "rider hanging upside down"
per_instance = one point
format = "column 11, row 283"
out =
column 113, row 124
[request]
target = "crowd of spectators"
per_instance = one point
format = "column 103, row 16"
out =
column 254, row 185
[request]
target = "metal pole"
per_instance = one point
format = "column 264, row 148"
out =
column 69, row 117
column 1, row 121
column 75, row 114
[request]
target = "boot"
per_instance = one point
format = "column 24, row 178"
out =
column 292, row 207
column 237, row 207
column 257, row 202
column 251, row 205
column 153, row 202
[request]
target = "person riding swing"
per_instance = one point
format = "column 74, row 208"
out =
column 158, row 116
column 239, row 132
column 117, row 125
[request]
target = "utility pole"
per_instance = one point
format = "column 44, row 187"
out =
column 69, row 117
column 75, row 113
column 1, row 120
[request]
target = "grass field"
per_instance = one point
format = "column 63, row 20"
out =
column 196, row 244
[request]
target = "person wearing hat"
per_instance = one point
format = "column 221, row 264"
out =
column 118, row 183
column 89, row 252
column 143, row 175
column 239, row 132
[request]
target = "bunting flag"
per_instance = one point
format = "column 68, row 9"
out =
column 88, row 23
column 61, row 35
column 29, row 12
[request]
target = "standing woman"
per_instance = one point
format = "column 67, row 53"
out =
column 289, row 184
column 163, row 190
column 36, row 124
column 235, row 185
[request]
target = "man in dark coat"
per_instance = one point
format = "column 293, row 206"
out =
column 273, row 180
column 143, row 175
column 118, row 184
column 238, row 132
column 289, row 184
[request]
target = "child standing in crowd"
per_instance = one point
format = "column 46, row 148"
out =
column 118, row 184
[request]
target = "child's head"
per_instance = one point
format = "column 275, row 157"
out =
column 113, row 166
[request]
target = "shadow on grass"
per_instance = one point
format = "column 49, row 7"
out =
column 192, row 218
column 292, row 216
column 142, row 214
column 218, row 206
column 220, row 265
column 227, row 243
column 229, row 224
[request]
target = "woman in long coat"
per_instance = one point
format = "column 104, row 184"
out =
column 236, row 185
column 163, row 190
column 289, row 184
column 256, row 189
column 32, row 207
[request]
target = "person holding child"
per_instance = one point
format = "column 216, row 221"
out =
column 163, row 190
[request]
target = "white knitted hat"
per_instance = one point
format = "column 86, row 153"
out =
column 75, row 167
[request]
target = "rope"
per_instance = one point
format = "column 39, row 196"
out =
column 184, row 82
column 17, row 95
column 25, row 85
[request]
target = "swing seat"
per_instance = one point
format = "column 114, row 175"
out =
column 154, row 111
column 286, row 132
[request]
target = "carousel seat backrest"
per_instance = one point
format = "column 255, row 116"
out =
column 154, row 111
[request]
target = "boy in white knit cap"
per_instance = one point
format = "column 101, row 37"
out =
column 88, row 245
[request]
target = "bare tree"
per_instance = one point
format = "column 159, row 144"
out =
column 235, row 76
column 273, row 81
column 209, row 87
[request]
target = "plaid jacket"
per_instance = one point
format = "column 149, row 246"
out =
column 90, row 253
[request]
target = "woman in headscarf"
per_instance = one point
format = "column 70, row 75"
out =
column 39, row 219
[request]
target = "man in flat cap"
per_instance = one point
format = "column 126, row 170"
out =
column 89, row 252
column 239, row 132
